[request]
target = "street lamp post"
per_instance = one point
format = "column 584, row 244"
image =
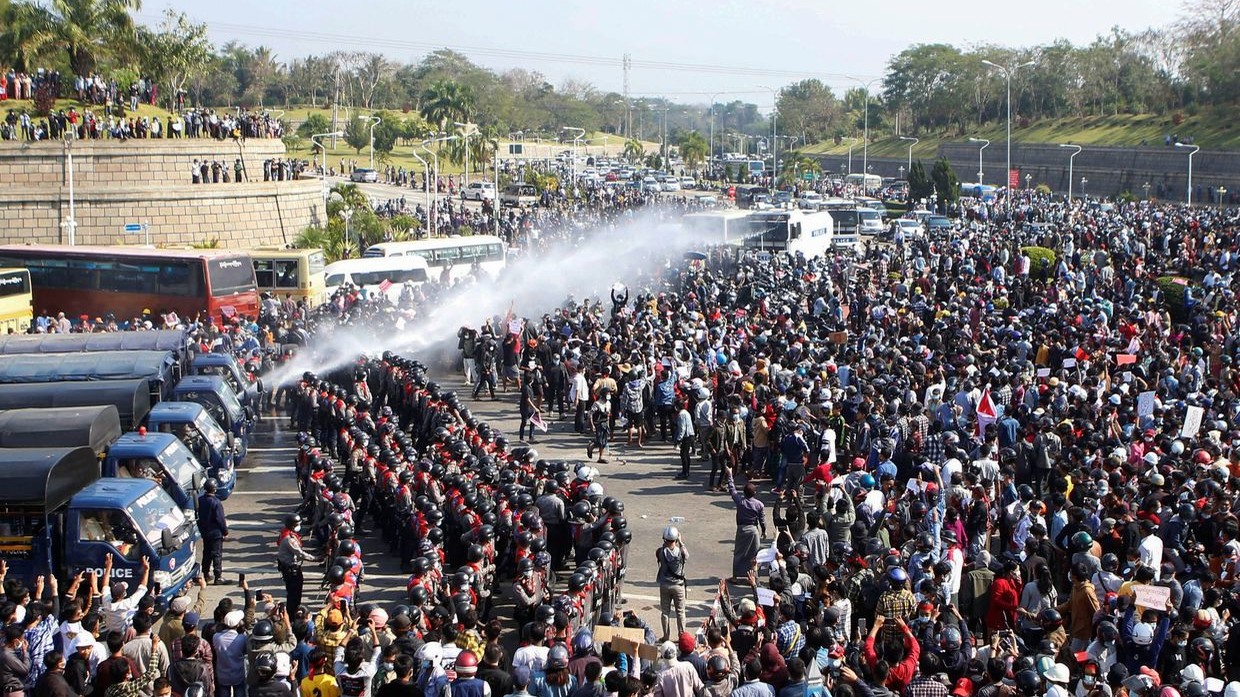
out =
column 900, row 169
column 433, row 181
column 426, row 190
column 1070, row 159
column 865, row 130
column 1146, row 188
column 313, row 142
column 774, row 133
column 1221, row 195
column 1192, row 152
column 70, row 223
column 466, row 132
column 985, row 144
column 582, row 134
column 374, row 121
column 1084, row 181
column 911, row 142
column 851, row 142
column 1007, row 73
column 711, row 154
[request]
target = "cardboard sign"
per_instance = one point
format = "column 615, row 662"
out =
column 1192, row 422
column 1145, row 404
column 1153, row 597
column 1044, row 372
column 1069, row 363
column 838, row 337
column 632, row 648
column 604, row 633
column 1125, row 359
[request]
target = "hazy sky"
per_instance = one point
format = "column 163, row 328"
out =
column 746, row 44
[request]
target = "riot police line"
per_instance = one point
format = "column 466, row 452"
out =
column 383, row 448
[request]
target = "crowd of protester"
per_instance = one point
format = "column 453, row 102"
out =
column 991, row 472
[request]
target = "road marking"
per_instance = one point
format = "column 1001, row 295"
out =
column 269, row 469
column 293, row 492
column 655, row 599
column 272, row 450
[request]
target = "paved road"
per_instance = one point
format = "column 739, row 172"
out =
column 642, row 478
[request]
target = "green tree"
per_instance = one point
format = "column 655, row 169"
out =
column 946, row 184
column 808, row 109
column 693, row 148
column 445, row 102
column 175, row 53
column 920, row 186
column 357, row 134
column 314, row 124
column 85, row 31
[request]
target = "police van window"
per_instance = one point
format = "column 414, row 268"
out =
column 112, row 528
column 286, row 273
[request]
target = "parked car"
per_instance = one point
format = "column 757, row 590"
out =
column 688, row 183
column 651, row 185
column 938, row 223
column 479, row 191
column 368, row 176
column 913, row 229
column 670, row 184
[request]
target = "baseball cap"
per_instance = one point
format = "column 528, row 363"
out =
column 179, row 604
column 686, row 642
column 963, row 688
column 521, row 676
column 190, row 620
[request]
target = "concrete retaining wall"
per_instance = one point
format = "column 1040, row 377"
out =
column 148, row 181
column 1109, row 171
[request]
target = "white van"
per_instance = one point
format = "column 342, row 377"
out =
column 870, row 221
column 371, row 272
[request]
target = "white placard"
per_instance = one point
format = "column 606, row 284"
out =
column 1145, row 404
column 1192, row 422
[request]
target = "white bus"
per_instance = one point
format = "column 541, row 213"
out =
column 372, row 273
column 459, row 254
column 717, row 227
column 790, row 230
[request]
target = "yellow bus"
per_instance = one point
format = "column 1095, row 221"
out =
column 16, row 301
column 295, row 272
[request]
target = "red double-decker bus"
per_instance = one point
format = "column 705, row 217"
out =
column 126, row 281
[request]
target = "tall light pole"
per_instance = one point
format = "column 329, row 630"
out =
column 851, row 142
column 466, row 132
column 374, row 121
column 985, row 144
column 426, row 190
column 433, row 181
column 581, row 133
column 313, row 142
column 1070, row 159
column 911, row 142
column 711, row 154
column 70, row 223
column 1192, row 152
column 774, row 133
column 1007, row 73
column 865, row 132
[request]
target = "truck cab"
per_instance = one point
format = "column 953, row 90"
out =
column 217, row 397
column 205, row 440
column 160, row 457
column 227, row 367
column 58, row 517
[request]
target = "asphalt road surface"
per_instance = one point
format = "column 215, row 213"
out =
column 642, row 478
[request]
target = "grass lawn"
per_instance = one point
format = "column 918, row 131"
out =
column 1211, row 131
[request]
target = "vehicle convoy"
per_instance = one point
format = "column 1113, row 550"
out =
column 58, row 517
column 216, row 449
column 157, row 456
column 248, row 390
column 162, row 369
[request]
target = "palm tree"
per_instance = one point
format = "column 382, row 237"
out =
column 693, row 148
column 483, row 145
column 86, row 30
column 633, row 151
column 446, row 101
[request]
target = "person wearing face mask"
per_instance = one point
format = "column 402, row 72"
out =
column 289, row 557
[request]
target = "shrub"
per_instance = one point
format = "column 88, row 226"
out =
column 1177, row 118
column 1041, row 262
column 1172, row 290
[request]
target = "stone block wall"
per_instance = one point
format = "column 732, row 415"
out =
column 148, row 181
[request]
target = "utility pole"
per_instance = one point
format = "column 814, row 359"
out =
column 628, row 66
